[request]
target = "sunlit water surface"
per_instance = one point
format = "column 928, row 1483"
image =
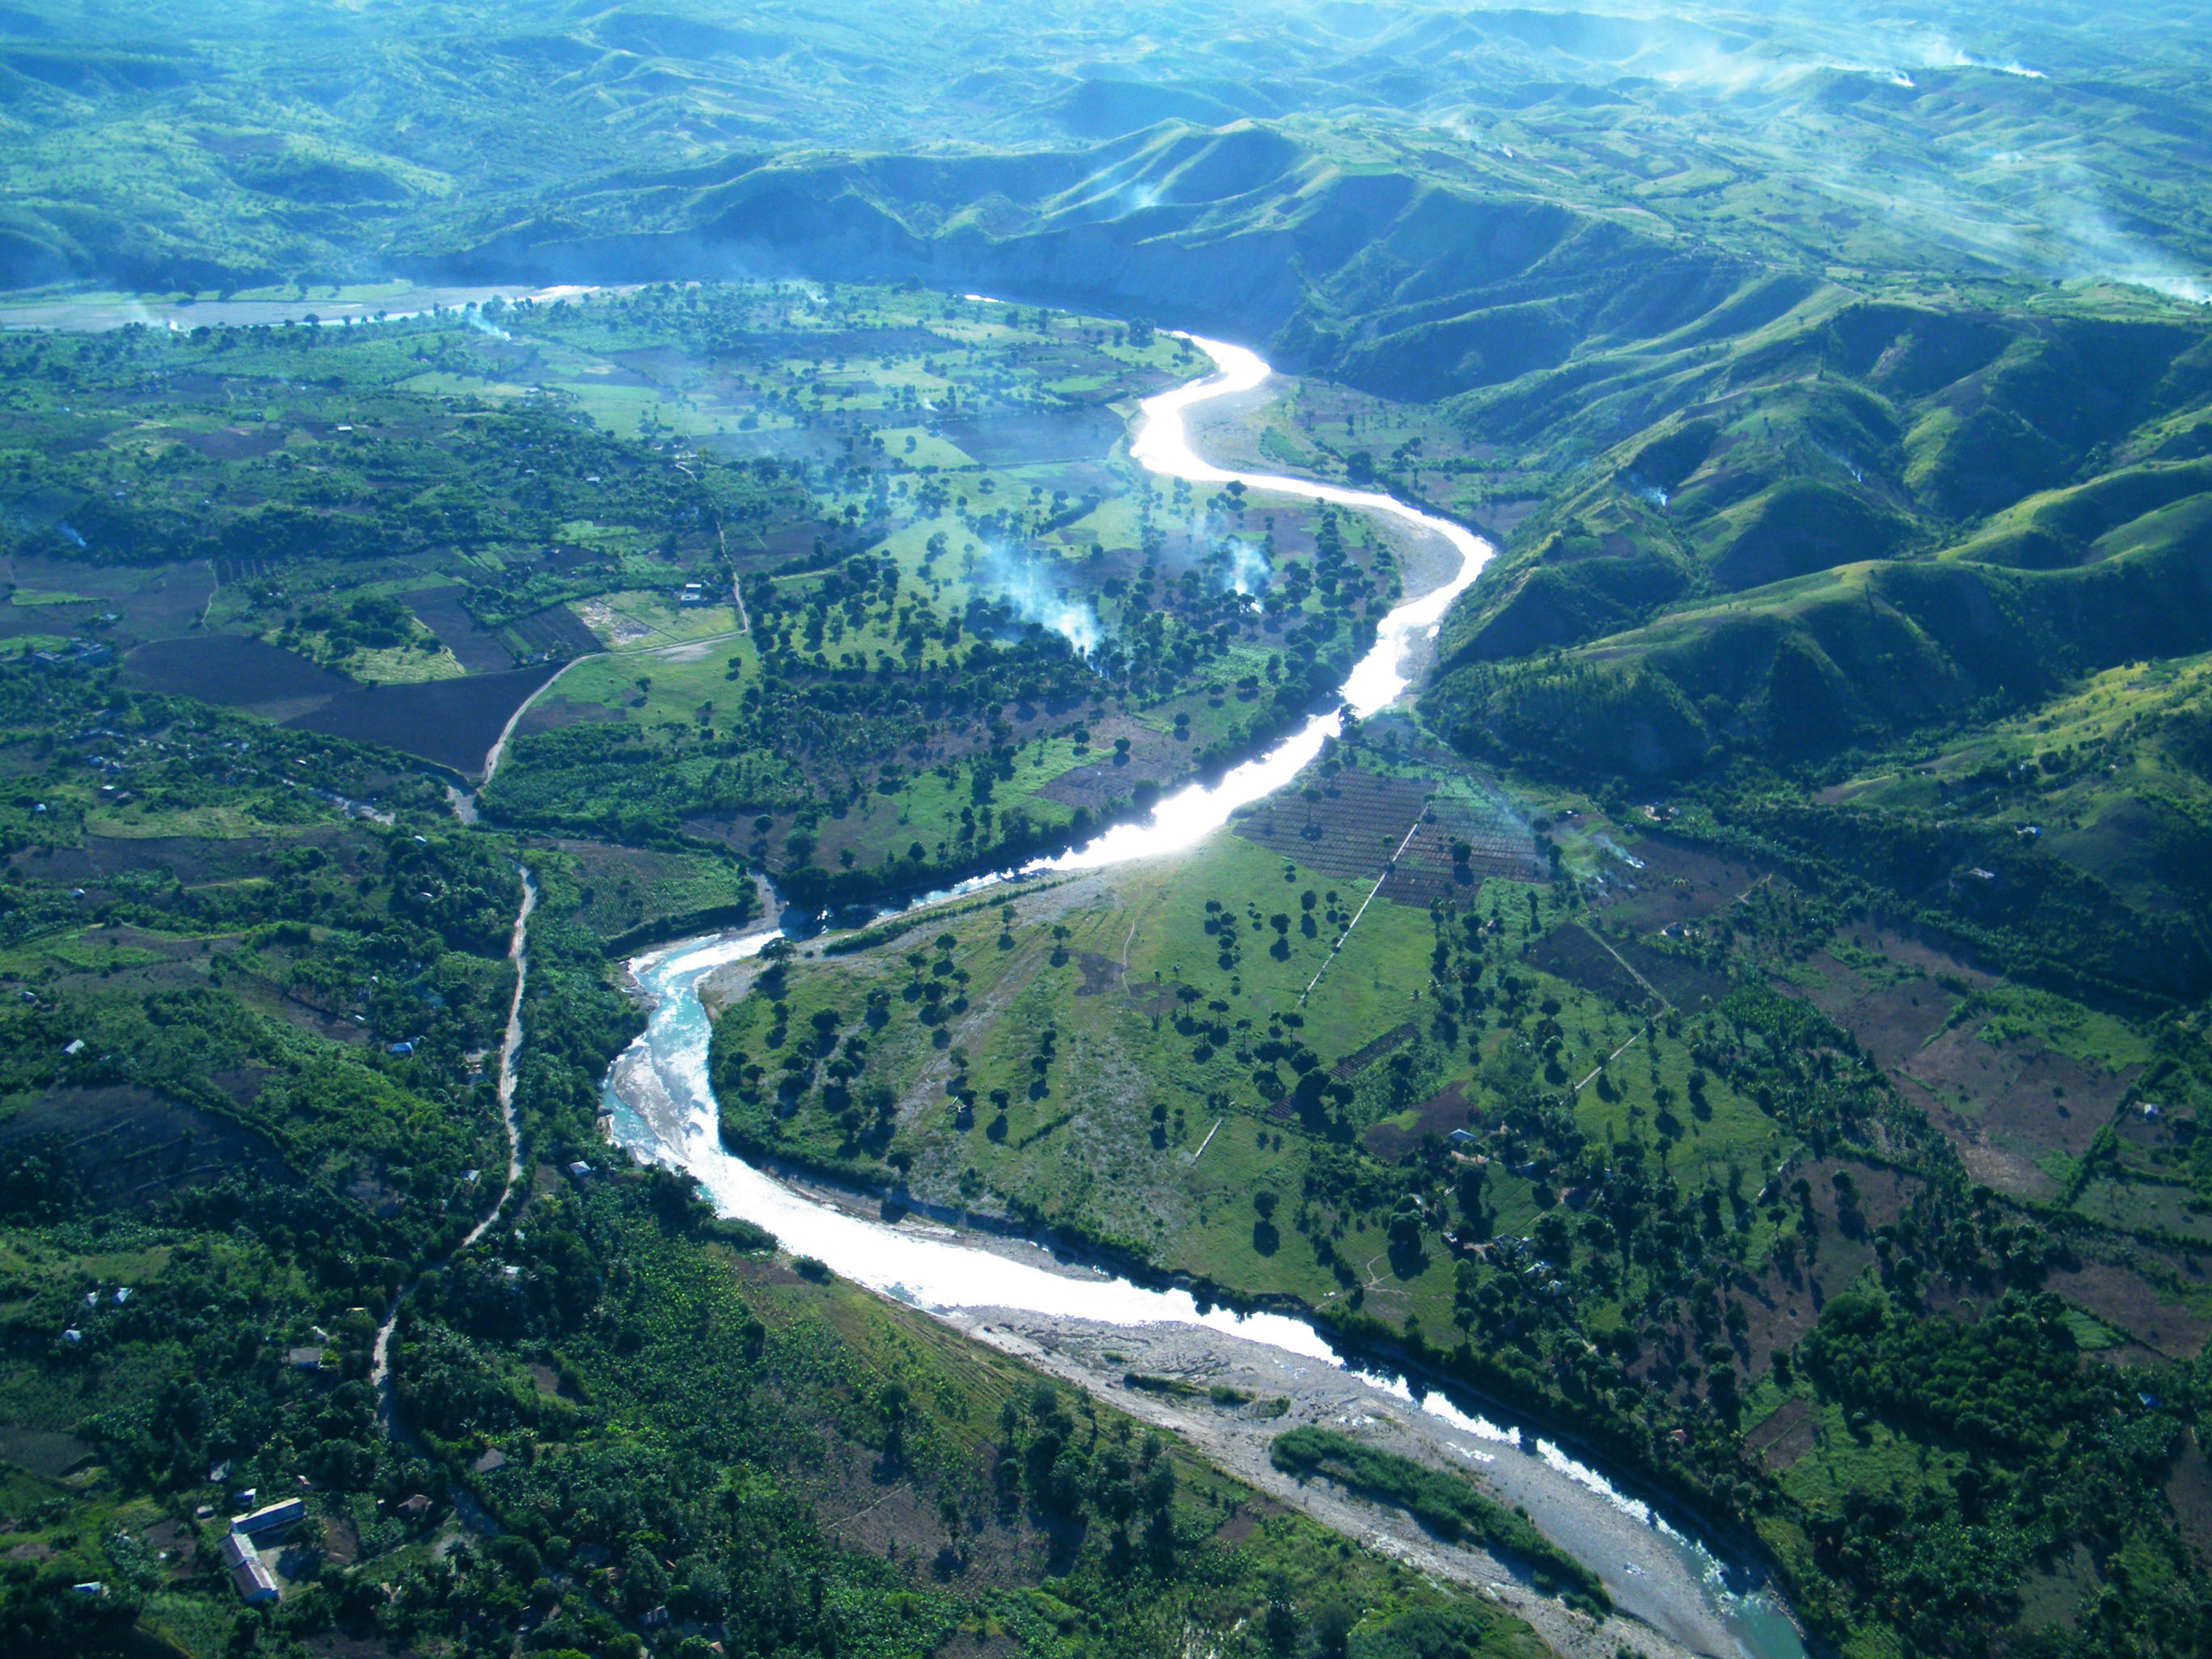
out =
column 664, row 1111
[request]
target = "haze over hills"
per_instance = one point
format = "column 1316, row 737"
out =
column 488, row 490
column 264, row 142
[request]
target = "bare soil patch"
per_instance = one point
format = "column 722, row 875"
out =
column 1682, row 979
column 175, row 1541
column 2189, row 1489
column 2020, row 1092
column 1094, row 786
column 1367, row 1053
column 864, row 1504
column 1785, row 1437
column 191, row 858
column 2003, row 1169
column 1439, row 1114
column 1394, row 1138
column 1100, row 974
column 478, row 649
column 453, row 723
column 1930, row 960
column 1499, row 845
column 232, row 443
column 124, row 1147
column 2131, row 1303
column 234, row 672
column 1678, row 882
column 21, row 621
column 1027, row 437
column 1570, row 954
column 156, row 603
column 555, row 631
column 1347, row 828
column 1246, row 1517
column 1106, row 780
column 553, row 711
column 1890, row 1022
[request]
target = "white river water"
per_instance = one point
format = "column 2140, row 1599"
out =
column 664, row 1111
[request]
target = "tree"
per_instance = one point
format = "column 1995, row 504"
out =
column 895, row 1398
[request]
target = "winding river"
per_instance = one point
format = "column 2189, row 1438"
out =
column 664, row 1111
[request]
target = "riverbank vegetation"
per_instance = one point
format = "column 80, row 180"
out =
column 256, row 982
column 1655, row 1131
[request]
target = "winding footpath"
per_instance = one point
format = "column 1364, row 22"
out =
column 1676, row 1595
column 510, row 1047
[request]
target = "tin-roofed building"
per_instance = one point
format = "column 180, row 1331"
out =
column 249, row 1573
column 270, row 1517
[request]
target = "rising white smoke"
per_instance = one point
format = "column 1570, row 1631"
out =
column 1244, row 567
column 1035, row 596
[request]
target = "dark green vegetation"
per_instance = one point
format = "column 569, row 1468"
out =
column 818, row 632
column 1444, row 1504
column 246, row 1116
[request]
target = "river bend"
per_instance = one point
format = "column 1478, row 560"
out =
column 663, row 1110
